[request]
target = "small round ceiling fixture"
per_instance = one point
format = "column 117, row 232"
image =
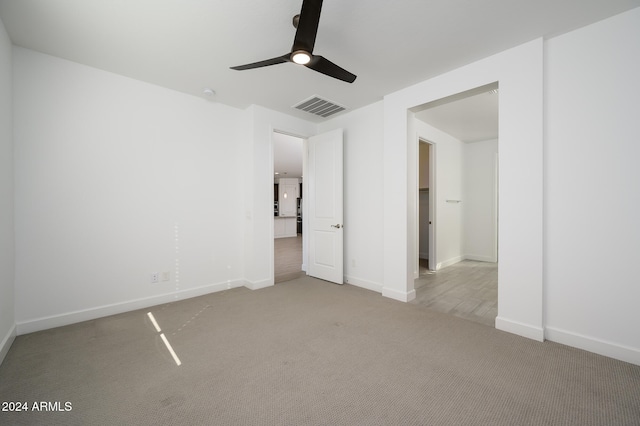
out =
column 300, row 57
column 208, row 92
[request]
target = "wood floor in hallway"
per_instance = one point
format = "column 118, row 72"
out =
column 467, row 289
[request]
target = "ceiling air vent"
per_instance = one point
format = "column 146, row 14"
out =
column 320, row 107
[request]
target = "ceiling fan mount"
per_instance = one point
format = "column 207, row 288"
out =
column 306, row 24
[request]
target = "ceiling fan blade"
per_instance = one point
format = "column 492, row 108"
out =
column 273, row 61
column 325, row 66
column 307, row 29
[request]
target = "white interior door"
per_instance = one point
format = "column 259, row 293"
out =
column 325, row 206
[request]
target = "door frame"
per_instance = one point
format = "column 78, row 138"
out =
column 432, row 207
column 305, row 158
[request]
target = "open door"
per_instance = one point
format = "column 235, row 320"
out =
column 325, row 206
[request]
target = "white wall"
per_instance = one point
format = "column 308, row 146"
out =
column 519, row 73
column 7, row 320
column 448, row 225
column 479, row 200
column 363, row 198
column 592, row 190
column 465, row 172
column 116, row 179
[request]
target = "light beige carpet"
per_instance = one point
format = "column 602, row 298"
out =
column 307, row 352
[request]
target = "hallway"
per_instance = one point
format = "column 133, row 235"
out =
column 468, row 289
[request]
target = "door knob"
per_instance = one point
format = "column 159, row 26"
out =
column 336, row 226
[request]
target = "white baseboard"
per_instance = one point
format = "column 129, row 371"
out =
column 60, row 320
column 286, row 236
column 480, row 258
column 6, row 342
column 521, row 329
column 402, row 296
column 450, row 262
column 369, row 285
column 257, row 285
column 600, row 347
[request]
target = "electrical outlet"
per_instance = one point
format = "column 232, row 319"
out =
column 155, row 277
column 166, row 276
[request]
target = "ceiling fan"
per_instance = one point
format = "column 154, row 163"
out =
column 306, row 24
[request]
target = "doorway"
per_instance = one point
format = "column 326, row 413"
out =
column 463, row 281
column 426, row 201
column 288, row 212
column 320, row 213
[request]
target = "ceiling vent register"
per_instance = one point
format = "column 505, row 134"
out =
column 321, row 107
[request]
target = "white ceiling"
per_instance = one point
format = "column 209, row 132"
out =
column 187, row 45
column 471, row 119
